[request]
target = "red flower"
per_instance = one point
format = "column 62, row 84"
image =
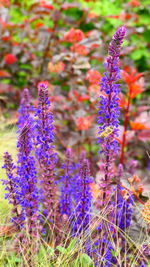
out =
column 45, row 4
column 39, row 25
column 81, row 98
column 93, row 76
column 122, row 101
column 80, row 49
column 134, row 3
column 74, row 36
column 6, row 38
column 84, row 123
column 10, row 59
column 131, row 77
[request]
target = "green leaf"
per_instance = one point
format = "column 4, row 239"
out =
column 85, row 260
column 125, row 43
column 48, row 22
column 65, row 88
column 114, row 253
column 17, row 38
column 87, row 26
column 95, row 148
column 87, row 147
column 21, row 73
column 16, row 15
column 5, row 81
column 26, row 66
column 146, row 36
column 72, row 245
column 61, row 249
column 139, row 96
column 74, row 13
column 138, row 53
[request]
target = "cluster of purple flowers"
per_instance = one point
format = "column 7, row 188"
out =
column 109, row 103
column 47, row 157
column 32, row 186
column 27, row 180
column 124, row 209
column 66, row 188
column 24, row 109
column 83, row 199
column 13, row 189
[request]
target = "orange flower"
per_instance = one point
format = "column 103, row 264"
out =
column 39, row 25
column 136, row 178
column 135, row 89
column 4, row 3
column 131, row 77
column 57, row 68
column 84, row 123
column 138, row 126
column 140, row 188
column 81, row 98
column 124, row 16
column 95, row 190
column 92, row 15
column 93, row 76
column 134, row 3
column 122, row 101
column 74, row 36
column 80, row 49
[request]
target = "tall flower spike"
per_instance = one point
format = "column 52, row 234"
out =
column 83, row 199
column 66, row 194
column 124, row 209
column 109, row 104
column 13, row 195
column 27, row 177
column 24, row 109
column 47, row 157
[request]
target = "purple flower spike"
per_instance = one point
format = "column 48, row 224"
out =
column 66, row 186
column 13, row 195
column 29, row 198
column 109, row 104
column 46, row 155
column 24, row 109
column 83, row 198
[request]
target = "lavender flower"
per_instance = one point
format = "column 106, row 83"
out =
column 109, row 105
column 29, row 199
column 124, row 210
column 66, row 189
column 44, row 128
column 83, row 199
column 13, row 195
column 46, row 156
column 24, row 109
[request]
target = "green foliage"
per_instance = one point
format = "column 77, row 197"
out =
column 83, row 260
column 71, row 247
